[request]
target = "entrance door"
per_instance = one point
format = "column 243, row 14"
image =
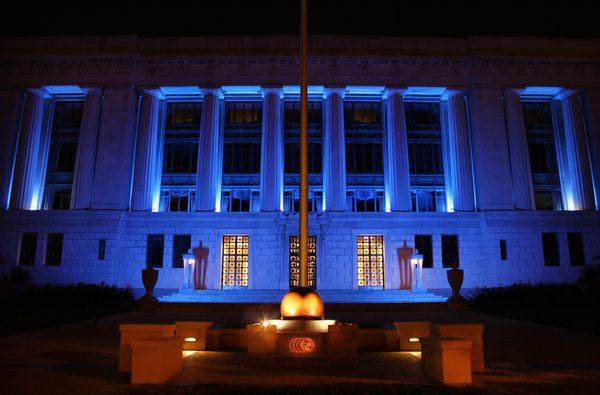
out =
column 295, row 261
column 369, row 251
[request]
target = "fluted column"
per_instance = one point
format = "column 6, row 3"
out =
column 26, row 177
column 146, row 153
column 397, row 172
column 334, row 150
column 459, row 176
column 12, row 101
column 271, row 163
column 592, row 106
column 582, row 190
column 83, row 178
column 208, row 180
column 520, row 165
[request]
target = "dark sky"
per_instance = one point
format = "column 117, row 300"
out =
column 456, row 18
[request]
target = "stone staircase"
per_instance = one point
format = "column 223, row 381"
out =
column 274, row 296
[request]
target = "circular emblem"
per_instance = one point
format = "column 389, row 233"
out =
column 302, row 345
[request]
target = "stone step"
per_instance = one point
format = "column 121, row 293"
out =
column 329, row 296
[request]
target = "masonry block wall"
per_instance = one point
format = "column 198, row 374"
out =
column 487, row 189
column 126, row 235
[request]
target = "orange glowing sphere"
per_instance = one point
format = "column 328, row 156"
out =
column 302, row 303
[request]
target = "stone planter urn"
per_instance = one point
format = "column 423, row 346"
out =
column 149, row 279
column 455, row 278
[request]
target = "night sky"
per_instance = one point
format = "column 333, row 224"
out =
column 456, row 18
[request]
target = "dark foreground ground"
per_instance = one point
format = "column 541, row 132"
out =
column 82, row 358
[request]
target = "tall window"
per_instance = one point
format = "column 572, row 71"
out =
column 234, row 261
column 542, row 155
column 369, row 252
column 28, row 249
column 54, row 249
column 550, row 249
column 181, row 245
column 66, row 122
column 424, row 134
column 180, row 156
column 292, row 155
column 450, row 257
column 241, row 156
column 364, row 156
column 424, row 245
column 155, row 248
column 295, row 261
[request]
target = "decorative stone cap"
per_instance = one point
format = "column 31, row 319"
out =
column 157, row 343
column 146, row 328
column 446, row 343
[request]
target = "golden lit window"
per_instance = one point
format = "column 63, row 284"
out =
column 235, row 261
column 369, row 252
column 295, row 261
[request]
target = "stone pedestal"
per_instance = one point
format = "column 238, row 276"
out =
column 193, row 334
column 410, row 334
column 155, row 360
column 131, row 332
column 447, row 360
column 262, row 339
column 471, row 332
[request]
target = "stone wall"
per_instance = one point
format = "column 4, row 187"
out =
column 126, row 235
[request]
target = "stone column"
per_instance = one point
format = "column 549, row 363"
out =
column 26, row 177
column 334, row 150
column 210, row 148
column 459, row 175
column 83, row 178
column 11, row 100
column 582, row 190
column 491, row 163
column 397, row 174
column 116, row 146
column 592, row 107
column 519, row 151
column 271, row 163
column 147, row 150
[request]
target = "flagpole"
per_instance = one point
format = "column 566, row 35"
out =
column 304, row 145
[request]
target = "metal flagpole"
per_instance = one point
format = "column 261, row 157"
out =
column 304, row 145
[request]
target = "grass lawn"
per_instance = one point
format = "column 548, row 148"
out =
column 567, row 306
column 40, row 307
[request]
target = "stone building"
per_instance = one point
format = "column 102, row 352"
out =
column 118, row 152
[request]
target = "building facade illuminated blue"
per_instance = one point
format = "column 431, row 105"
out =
column 118, row 152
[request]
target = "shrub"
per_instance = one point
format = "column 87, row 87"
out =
column 590, row 278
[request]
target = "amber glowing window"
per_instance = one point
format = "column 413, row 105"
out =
column 295, row 261
column 235, row 262
column 369, row 252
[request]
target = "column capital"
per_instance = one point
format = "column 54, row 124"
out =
column 41, row 92
column 390, row 91
column 453, row 92
column 328, row 90
column 92, row 90
column 565, row 93
column 153, row 91
column 215, row 91
column 269, row 90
